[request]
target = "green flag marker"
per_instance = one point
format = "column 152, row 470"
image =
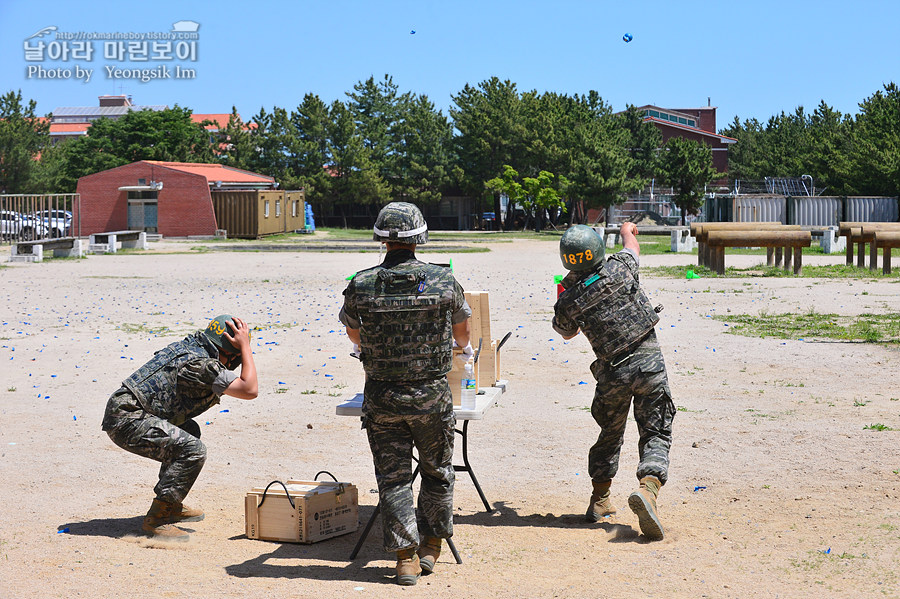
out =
column 451, row 264
column 350, row 278
column 557, row 279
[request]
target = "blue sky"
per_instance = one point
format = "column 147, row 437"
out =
column 749, row 58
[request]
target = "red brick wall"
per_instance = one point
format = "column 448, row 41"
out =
column 706, row 117
column 184, row 204
column 720, row 150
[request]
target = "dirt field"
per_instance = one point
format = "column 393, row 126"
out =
column 776, row 487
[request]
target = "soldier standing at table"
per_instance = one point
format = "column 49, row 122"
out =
column 603, row 300
column 151, row 414
column 405, row 315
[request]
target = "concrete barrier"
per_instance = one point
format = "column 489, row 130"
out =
column 33, row 251
column 107, row 243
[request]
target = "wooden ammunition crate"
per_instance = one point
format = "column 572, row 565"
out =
column 317, row 510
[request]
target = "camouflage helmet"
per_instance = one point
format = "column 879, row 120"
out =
column 215, row 332
column 401, row 222
column 581, row 248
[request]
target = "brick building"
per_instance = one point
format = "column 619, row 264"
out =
column 175, row 199
column 698, row 124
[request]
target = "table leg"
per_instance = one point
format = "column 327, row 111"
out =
column 365, row 532
column 468, row 467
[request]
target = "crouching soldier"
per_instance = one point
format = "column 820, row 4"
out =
column 151, row 414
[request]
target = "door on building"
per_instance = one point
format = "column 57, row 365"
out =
column 142, row 211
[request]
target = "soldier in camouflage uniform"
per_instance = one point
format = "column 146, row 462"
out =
column 603, row 300
column 151, row 414
column 405, row 315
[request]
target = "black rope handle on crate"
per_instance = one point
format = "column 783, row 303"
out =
column 285, row 491
column 340, row 488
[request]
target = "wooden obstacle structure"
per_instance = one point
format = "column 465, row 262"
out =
column 700, row 231
column 886, row 241
column 862, row 233
column 791, row 242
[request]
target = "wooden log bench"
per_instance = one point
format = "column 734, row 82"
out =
column 107, row 243
column 886, row 241
column 700, row 231
column 33, row 251
column 862, row 233
column 791, row 241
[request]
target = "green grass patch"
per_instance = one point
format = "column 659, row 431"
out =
column 869, row 328
column 877, row 427
column 832, row 271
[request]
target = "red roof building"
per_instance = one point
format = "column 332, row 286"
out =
column 170, row 198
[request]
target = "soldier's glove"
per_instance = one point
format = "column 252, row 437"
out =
column 356, row 351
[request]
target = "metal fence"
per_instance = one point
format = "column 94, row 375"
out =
column 24, row 217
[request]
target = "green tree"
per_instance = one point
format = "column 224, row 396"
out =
column 875, row 155
column 747, row 158
column 376, row 109
column 687, row 166
column 643, row 143
column 311, row 122
column 355, row 180
column 828, row 158
column 23, row 136
column 424, row 161
column 490, row 132
column 542, row 195
column 602, row 162
column 237, row 143
column 507, row 184
column 276, row 147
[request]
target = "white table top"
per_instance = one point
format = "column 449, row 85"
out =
column 487, row 397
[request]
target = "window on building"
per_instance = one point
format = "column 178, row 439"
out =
column 294, row 208
column 266, row 209
column 277, row 207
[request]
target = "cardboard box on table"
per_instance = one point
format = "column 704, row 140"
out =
column 480, row 329
column 321, row 510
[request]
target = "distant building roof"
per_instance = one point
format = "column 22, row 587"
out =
column 219, row 175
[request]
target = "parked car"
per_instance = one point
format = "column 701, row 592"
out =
column 58, row 223
column 20, row 226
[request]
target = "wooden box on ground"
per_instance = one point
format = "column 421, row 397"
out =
column 320, row 510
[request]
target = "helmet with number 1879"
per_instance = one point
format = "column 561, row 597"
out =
column 581, row 248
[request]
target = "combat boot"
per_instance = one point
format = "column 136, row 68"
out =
column 408, row 569
column 157, row 522
column 643, row 503
column 428, row 553
column 601, row 505
column 183, row 513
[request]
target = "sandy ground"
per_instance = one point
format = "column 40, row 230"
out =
column 776, row 489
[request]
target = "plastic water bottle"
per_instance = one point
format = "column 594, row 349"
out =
column 468, row 388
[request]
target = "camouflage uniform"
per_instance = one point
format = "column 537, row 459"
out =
column 151, row 414
column 404, row 310
column 634, row 369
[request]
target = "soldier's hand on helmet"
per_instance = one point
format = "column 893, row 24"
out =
column 240, row 336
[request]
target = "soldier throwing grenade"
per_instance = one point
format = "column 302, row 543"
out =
column 151, row 414
column 603, row 300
